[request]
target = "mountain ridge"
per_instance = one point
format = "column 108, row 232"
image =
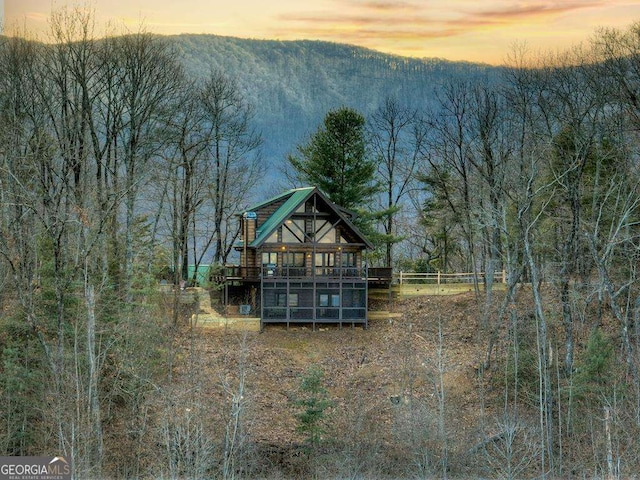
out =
column 292, row 84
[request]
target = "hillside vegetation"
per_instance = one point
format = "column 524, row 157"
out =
column 408, row 397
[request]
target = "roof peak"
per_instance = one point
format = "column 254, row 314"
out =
column 299, row 189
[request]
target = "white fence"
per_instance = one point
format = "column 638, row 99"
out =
column 439, row 278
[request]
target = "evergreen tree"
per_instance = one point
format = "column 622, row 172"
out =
column 314, row 402
column 335, row 159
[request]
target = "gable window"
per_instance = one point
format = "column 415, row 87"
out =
column 309, row 207
column 325, row 233
column 293, row 231
column 273, row 238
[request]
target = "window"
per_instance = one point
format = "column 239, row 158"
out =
column 323, row 300
column 293, row 299
column 327, row 259
column 325, row 263
column 357, row 298
column 293, row 259
column 281, row 299
column 269, row 258
column 335, row 300
column 348, row 259
column 328, row 300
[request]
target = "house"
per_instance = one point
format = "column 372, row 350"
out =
column 301, row 261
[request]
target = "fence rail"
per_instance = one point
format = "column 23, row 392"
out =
column 439, row 278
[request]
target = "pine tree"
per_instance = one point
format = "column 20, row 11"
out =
column 313, row 403
column 335, row 160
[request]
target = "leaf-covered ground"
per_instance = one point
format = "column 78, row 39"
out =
column 423, row 363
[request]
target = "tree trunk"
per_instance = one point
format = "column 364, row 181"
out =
column 95, row 416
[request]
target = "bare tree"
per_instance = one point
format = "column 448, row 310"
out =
column 149, row 77
column 449, row 171
column 511, row 451
column 235, row 165
column 530, row 200
column 180, row 179
column 236, row 432
column 396, row 139
column 65, row 125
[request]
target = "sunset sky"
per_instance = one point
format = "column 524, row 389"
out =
column 474, row 30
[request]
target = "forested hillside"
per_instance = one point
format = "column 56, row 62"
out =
column 125, row 160
column 293, row 84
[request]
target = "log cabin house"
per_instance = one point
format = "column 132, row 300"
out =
column 301, row 261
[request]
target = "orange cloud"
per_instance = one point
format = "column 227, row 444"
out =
column 525, row 12
column 390, row 6
column 380, row 18
column 463, row 28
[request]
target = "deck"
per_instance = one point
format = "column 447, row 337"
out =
column 235, row 273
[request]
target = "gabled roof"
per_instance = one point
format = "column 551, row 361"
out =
column 295, row 198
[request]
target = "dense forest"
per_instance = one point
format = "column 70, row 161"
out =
column 125, row 159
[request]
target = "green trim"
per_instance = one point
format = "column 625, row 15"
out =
column 296, row 197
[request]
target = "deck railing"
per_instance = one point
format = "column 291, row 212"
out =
column 302, row 272
column 233, row 272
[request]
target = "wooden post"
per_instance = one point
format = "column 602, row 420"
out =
column 438, row 277
column 400, row 277
column 504, row 276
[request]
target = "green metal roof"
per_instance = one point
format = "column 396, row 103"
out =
column 276, row 198
column 296, row 197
